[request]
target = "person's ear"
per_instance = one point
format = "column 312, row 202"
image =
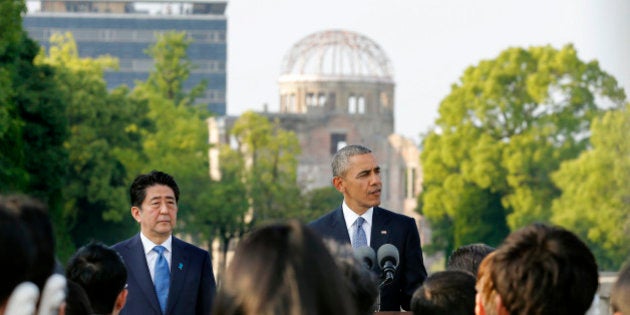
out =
column 501, row 310
column 338, row 183
column 121, row 300
column 135, row 212
column 479, row 309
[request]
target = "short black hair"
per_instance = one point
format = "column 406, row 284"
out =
column 17, row 250
column 447, row 292
column 138, row 189
column 101, row 272
column 468, row 257
column 33, row 214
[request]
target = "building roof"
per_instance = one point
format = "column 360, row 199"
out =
column 336, row 55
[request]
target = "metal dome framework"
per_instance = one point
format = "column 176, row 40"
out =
column 336, row 54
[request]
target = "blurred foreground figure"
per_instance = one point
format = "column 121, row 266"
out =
column 449, row 292
column 283, row 269
column 101, row 276
column 537, row 270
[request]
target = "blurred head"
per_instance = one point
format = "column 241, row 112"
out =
column 448, row 292
column 282, row 269
column 357, row 175
column 101, row 273
column 620, row 294
column 539, row 270
column 468, row 257
column 154, row 199
column 17, row 250
column 361, row 283
column 34, row 217
column 77, row 301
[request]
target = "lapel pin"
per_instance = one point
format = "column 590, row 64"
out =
column 180, row 266
column 384, row 232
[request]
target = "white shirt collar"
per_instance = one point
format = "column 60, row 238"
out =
column 148, row 244
column 351, row 216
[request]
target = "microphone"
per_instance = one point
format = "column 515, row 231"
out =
column 366, row 256
column 388, row 261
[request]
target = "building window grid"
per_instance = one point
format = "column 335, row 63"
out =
column 126, row 35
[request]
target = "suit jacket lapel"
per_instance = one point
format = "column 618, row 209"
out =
column 139, row 270
column 179, row 262
column 380, row 229
column 338, row 229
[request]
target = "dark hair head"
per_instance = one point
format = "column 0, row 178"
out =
column 17, row 251
column 340, row 161
column 361, row 283
column 77, row 301
column 468, row 257
column 619, row 296
column 448, row 292
column 34, row 215
column 100, row 271
column 138, row 189
column 542, row 270
column 282, row 269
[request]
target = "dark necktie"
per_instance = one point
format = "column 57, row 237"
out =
column 161, row 277
column 359, row 239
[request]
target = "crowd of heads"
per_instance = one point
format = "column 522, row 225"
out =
column 539, row 269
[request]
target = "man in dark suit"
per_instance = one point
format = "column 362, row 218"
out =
column 166, row 276
column 359, row 221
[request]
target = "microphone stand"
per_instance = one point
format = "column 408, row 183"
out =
column 383, row 283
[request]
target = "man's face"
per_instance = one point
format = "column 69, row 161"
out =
column 361, row 184
column 158, row 213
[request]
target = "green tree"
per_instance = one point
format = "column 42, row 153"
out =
column 225, row 215
column 270, row 155
column 503, row 129
column 105, row 133
column 320, row 201
column 177, row 144
column 595, row 200
column 33, row 126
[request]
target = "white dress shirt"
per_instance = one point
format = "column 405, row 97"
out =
column 351, row 217
column 152, row 255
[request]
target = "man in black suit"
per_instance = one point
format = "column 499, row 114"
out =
column 356, row 174
column 166, row 276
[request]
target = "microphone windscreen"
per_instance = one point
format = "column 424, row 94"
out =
column 366, row 256
column 387, row 252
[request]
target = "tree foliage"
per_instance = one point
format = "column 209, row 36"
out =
column 595, row 200
column 33, row 126
column 270, row 155
column 503, row 129
column 104, row 132
column 177, row 143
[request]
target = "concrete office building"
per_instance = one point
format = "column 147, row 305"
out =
column 125, row 29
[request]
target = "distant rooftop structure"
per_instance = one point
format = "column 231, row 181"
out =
column 151, row 7
column 336, row 54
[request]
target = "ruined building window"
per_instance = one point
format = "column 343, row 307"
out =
column 361, row 105
column 352, row 104
column 410, row 182
column 337, row 141
column 321, row 99
column 310, row 99
column 356, row 104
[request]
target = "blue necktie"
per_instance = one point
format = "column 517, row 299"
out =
column 161, row 277
column 359, row 239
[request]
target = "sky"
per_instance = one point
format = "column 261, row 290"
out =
column 430, row 43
